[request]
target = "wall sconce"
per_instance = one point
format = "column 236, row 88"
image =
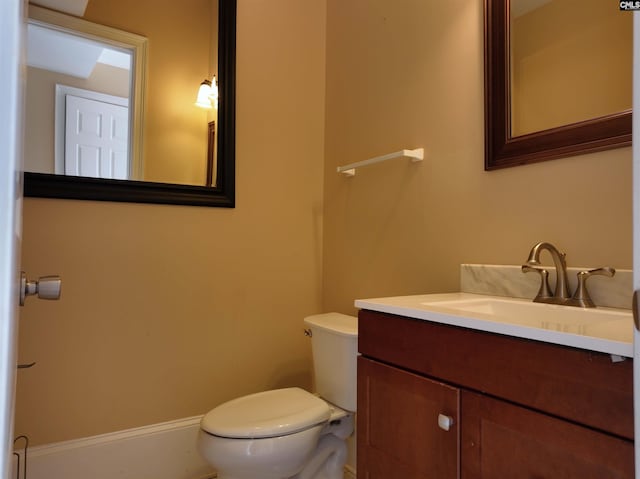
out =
column 208, row 94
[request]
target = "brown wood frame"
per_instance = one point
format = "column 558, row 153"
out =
column 211, row 150
column 501, row 149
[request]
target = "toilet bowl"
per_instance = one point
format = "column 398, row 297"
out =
column 273, row 435
column 291, row 433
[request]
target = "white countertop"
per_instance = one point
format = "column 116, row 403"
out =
column 613, row 334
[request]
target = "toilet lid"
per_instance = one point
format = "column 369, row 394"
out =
column 266, row 414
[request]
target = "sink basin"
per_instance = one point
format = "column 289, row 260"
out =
column 539, row 315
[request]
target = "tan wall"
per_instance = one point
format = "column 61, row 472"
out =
column 40, row 96
column 168, row 310
column 179, row 58
column 410, row 74
column 571, row 61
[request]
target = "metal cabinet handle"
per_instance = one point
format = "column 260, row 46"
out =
column 445, row 422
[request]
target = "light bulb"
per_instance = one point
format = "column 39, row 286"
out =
column 204, row 92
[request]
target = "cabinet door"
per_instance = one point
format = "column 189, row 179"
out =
column 500, row 440
column 398, row 430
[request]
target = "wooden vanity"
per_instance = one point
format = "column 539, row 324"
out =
column 514, row 408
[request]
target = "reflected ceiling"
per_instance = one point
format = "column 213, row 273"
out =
column 69, row 54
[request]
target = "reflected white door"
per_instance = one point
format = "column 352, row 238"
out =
column 636, row 230
column 96, row 139
column 11, row 25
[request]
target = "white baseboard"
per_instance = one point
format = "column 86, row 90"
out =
column 160, row 451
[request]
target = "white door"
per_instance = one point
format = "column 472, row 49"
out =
column 96, row 139
column 10, row 213
column 636, row 232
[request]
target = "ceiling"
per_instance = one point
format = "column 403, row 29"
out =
column 66, row 53
column 72, row 7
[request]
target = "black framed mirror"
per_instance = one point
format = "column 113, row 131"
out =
column 505, row 146
column 220, row 194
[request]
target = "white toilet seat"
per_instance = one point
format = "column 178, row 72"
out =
column 267, row 414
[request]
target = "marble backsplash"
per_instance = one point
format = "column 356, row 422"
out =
column 508, row 280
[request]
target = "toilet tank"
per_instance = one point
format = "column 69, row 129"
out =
column 334, row 342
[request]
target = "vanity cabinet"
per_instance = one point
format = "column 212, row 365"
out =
column 513, row 408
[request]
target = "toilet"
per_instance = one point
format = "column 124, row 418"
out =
column 291, row 433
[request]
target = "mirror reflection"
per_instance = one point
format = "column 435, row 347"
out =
column 102, row 108
column 570, row 61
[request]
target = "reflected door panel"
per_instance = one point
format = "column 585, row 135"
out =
column 96, row 139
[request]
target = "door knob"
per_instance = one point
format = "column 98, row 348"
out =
column 46, row 287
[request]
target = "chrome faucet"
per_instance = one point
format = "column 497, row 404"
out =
column 561, row 293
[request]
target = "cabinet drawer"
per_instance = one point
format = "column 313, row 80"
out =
column 581, row 386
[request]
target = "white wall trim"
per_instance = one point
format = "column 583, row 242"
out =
column 11, row 141
column 139, row 432
column 162, row 451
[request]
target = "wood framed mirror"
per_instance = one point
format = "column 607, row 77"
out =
column 506, row 143
column 219, row 187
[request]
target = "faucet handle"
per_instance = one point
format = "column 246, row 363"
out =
column 544, row 291
column 582, row 297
